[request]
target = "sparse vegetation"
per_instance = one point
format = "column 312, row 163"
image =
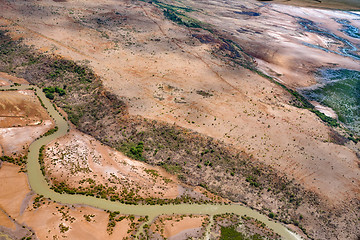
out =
column 124, row 195
column 301, row 102
column 51, row 131
column 203, row 93
column 232, row 226
column 88, row 217
column 38, row 201
column 63, row 228
column 101, row 114
column 20, row 161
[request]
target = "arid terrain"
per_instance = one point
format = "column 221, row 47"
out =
column 201, row 92
column 24, row 214
column 98, row 165
column 21, row 114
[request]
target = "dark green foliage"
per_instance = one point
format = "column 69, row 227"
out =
column 177, row 14
column 172, row 16
column 41, row 159
column 329, row 120
column 37, row 201
column 20, row 161
column 49, row 95
column 49, row 92
column 203, row 93
column 127, row 196
column 88, row 217
column 51, row 131
column 134, row 151
column 253, row 181
column 171, row 7
column 230, row 233
column 180, row 19
column 63, row 228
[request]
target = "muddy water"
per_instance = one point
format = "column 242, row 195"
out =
column 40, row 186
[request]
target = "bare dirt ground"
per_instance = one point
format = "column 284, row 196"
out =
column 21, row 108
column 22, row 216
column 178, row 227
column 22, row 119
column 159, row 68
column 162, row 71
column 6, row 79
column 80, row 160
column 276, row 39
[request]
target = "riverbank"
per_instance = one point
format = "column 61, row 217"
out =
column 28, row 212
column 39, row 184
column 235, row 133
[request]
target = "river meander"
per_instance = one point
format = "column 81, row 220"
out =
column 39, row 185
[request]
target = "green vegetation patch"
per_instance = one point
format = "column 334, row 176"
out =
column 20, row 161
column 230, row 233
column 49, row 92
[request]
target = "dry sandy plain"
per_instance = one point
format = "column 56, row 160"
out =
column 22, row 119
column 20, row 216
column 157, row 67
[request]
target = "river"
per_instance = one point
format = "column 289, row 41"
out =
column 39, row 185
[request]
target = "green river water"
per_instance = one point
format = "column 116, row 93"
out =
column 39, row 185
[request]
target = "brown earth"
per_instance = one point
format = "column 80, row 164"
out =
column 80, row 160
column 45, row 219
column 178, row 227
column 22, row 120
column 245, row 109
column 6, row 79
column 162, row 72
column 276, row 40
column 21, row 108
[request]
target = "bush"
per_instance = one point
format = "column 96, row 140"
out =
column 49, row 95
column 136, row 152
